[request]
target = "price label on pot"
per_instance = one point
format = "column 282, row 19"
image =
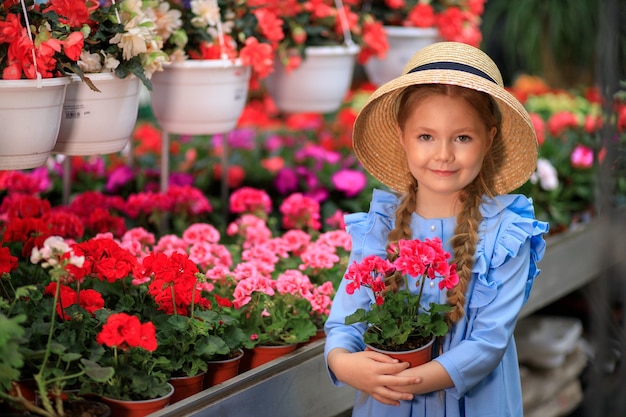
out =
column 75, row 111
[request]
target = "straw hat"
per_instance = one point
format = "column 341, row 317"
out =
column 375, row 138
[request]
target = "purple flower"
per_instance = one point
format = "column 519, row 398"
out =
column 308, row 177
column 118, row 178
column 180, row 178
column 237, row 139
column 319, row 194
column 273, row 143
column 318, row 154
column 43, row 179
column 286, row 181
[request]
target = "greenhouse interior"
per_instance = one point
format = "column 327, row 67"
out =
column 181, row 222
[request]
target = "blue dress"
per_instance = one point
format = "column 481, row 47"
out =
column 478, row 352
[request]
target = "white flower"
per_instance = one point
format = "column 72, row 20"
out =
column 207, row 13
column 132, row 42
column 154, row 62
column 546, row 174
column 89, row 62
column 178, row 56
column 132, row 7
column 53, row 249
column 110, row 62
column 166, row 21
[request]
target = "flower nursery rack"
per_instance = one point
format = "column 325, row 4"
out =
column 298, row 383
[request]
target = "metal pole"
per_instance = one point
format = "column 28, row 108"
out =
column 604, row 393
column 67, row 179
column 165, row 169
column 165, row 160
column 224, row 188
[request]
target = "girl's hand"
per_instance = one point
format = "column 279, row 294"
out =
column 372, row 373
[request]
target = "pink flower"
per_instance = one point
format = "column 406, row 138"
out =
column 296, row 240
column 253, row 229
column 319, row 256
column 217, row 273
column 250, row 200
column 367, row 273
column 336, row 220
column 336, row 238
column 348, row 181
column 582, row 157
column 245, row 288
column 201, row 232
column 300, row 212
column 210, row 255
column 139, row 235
column 169, row 244
column 245, row 270
column 293, row 282
column 264, row 258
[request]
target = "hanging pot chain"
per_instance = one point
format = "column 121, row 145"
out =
column 343, row 19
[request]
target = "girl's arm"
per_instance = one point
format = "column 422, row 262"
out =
column 431, row 376
column 373, row 373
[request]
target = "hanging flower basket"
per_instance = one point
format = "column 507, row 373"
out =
column 403, row 43
column 200, row 97
column 95, row 122
column 30, row 117
column 319, row 84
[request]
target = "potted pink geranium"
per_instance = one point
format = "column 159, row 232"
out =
column 397, row 321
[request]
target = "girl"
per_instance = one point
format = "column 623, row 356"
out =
column 451, row 142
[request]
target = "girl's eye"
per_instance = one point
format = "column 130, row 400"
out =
column 463, row 138
column 425, row 137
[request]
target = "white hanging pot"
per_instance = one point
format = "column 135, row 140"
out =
column 30, row 117
column 200, row 97
column 403, row 43
column 319, row 84
column 95, row 123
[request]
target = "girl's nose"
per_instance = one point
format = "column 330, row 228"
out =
column 444, row 151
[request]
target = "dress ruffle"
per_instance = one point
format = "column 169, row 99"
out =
column 511, row 235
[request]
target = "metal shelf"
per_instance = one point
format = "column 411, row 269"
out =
column 575, row 258
column 298, row 384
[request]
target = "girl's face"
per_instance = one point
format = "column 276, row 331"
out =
column 445, row 142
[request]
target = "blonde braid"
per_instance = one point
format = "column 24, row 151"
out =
column 464, row 246
column 402, row 229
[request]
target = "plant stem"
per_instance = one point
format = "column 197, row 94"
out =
column 193, row 299
column 419, row 297
column 39, row 377
column 173, row 299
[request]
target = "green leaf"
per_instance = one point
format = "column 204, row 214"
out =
column 96, row 372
